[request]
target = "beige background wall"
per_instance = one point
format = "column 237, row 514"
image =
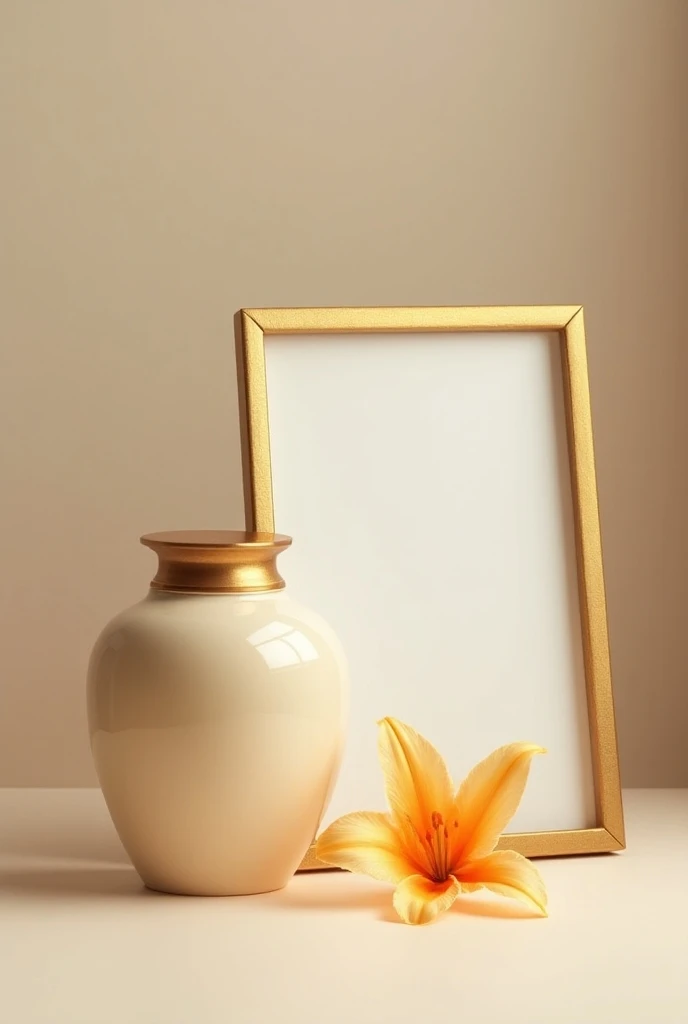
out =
column 165, row 162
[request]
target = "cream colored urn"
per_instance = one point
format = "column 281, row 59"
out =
column 217, row 709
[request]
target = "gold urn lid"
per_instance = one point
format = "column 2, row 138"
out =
column 217, row 561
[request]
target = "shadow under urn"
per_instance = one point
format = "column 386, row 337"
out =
column 217, row 710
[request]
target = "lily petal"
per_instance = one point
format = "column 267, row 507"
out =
column 507, row 873
column 417, row 782
column 487, row 799
column 365, row 842
column 418, row 900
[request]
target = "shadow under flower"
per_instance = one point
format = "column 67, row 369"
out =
column 331, row 897
column 504, row 908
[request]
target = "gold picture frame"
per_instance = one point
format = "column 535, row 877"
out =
column 251, row 327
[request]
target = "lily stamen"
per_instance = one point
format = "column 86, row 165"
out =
column 438, row 862
column 432, row 858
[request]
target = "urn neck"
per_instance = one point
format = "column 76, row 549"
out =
column 216, row 561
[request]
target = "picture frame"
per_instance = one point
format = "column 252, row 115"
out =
column 449, row 452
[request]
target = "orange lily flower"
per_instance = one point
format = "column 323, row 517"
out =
column 435, row 843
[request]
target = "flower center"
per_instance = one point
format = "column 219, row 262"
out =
column 437, row 847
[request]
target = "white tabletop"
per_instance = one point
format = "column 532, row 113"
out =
column 81, row 941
